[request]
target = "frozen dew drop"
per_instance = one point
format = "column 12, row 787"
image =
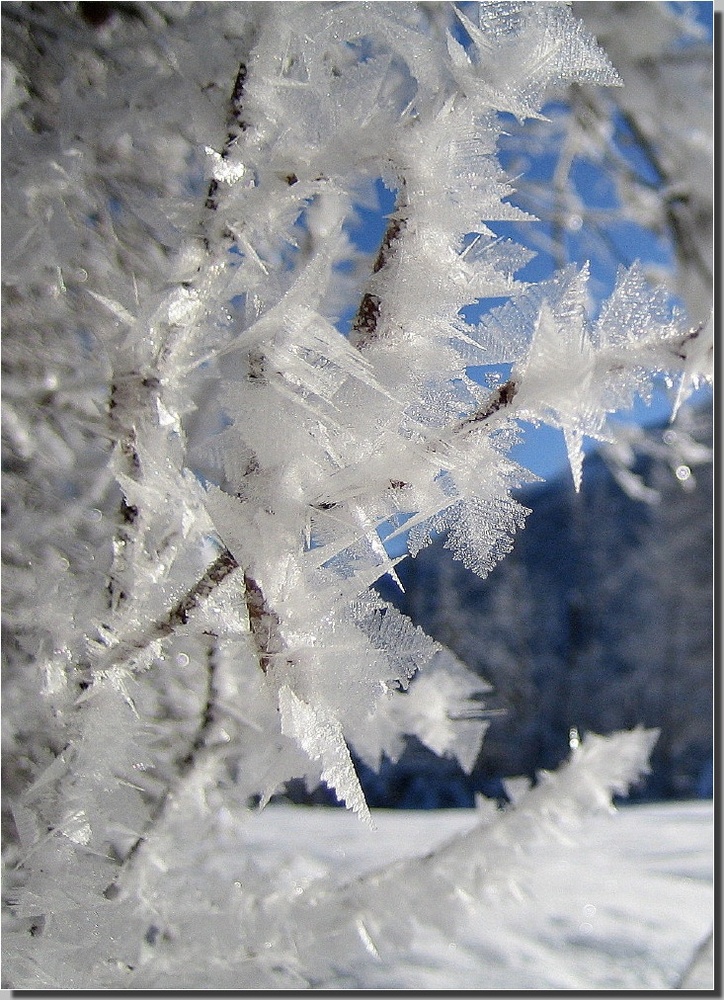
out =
column 574, row 739
column 574, row 223
column 94, row 514
column 182, row 660
column 683, row 472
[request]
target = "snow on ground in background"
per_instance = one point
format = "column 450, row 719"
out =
column 627, row 907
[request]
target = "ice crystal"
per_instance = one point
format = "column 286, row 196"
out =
column 443, row 709
column 478, row 550
column 321, row 738
column 538, row 45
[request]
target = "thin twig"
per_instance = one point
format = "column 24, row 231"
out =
column 264, row 624
column 213, row 576
column 208, row 714
column 499, row 399
column 365, row 326
column 201, row 746
column 236, row 125
column 126, row 393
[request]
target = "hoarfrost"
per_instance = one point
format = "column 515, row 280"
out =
column 177, row 367
column 320, row 736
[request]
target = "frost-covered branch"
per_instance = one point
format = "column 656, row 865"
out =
column 364, row 326
column 314, row 928
column 500, row 398
column 236, row 125
column 263, row 622
column 207, row 473
column 126, row 650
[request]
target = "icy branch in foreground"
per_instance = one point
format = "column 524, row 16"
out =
column 316, row 933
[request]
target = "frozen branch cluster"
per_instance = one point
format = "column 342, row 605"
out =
column 203, row 465
column 624, row 161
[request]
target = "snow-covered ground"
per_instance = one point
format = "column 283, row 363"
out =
column 629, row 905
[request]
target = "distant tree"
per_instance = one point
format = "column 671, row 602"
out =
column 214, row 408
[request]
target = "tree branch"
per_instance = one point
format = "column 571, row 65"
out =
column 208, row 714
column 264, row 624
column 500, row 398
column 235, row 125
column 365, row 326
column 215, row 574
column 682, row 226
column 200, row 748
